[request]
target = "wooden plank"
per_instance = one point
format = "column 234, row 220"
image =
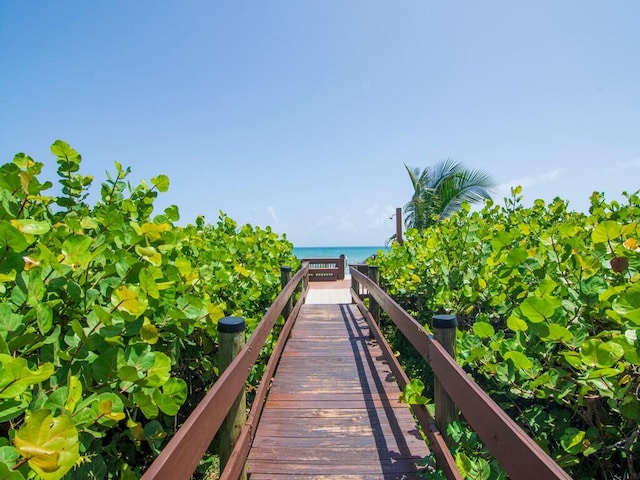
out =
column 405, row 467
column 334, row 408
column 298, row 476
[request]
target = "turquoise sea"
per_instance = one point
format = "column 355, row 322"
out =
column 354, row 254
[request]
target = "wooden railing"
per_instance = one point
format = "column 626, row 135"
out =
column 179, row 459
column 325, row 269
column 518, row 454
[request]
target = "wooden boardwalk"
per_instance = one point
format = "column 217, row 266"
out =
column 333, row 409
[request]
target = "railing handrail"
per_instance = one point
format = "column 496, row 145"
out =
column 181, row 456
column 327, row 269
column 518, row 454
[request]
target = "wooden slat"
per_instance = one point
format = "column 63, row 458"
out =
column 333, row 408
column 444, row 458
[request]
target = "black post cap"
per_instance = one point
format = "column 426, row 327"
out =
column 231, row 325
column 285, row 268
column 445, row 321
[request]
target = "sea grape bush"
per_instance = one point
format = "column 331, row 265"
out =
column 108, row 317
column 549, row 306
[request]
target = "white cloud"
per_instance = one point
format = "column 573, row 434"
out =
column 504, row 189
column 380, row 216
column 272, row 213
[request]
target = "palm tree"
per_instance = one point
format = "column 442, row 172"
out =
column 441, row 190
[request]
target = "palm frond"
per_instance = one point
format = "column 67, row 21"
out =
column 440, row 191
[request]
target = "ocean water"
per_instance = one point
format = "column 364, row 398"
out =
column 354, row 254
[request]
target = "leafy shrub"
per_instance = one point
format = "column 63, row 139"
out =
column 108, row 317
column 549, row 306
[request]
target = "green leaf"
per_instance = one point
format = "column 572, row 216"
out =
column 146, row 404
column 7, row 474
column 9, row 455
column 160, row 372
column 571, row 440
column 161, row 182
column 11, row 237
column 516, row 324
column 546, row 287
column 104, row 367
column 16, row 375
column 32, row 227
column 44, row 317
column 630, row 408
column 412, row 393
column 12, row 408
column 597, row 353
column 76, row 251
column 516, row 256
column 593, row 286
column 519, row 359
column 627, row 305
column 148, row 283
column 56, row 400
column 538, row 309
column 62, row 149
column 173, row 395
column 558, row 333
column 50, row 444
column 135, row 361
column 606, row 231
column 483, row 329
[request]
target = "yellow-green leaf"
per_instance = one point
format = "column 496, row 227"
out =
column 150, row 254
column 161, row 182
column 74, row 395
column 129, row 299
column 31, row 227
column 606, row 231
column 241, row 270
column 49, row 444
column 483, row 329
column 517, row 324
column 153, row 231
column 148, row 332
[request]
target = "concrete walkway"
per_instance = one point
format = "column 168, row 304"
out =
column 329, row 293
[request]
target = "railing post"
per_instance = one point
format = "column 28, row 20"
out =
column 341, row 267
column 399, row 226
column 285, row 276
column 355, row 286
column 374, row 308
column 231, row 339
column 444, row 331
column 305, row 279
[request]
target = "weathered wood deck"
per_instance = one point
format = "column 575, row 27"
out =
column 333, row 409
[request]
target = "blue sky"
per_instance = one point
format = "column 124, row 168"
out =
column 300, row 114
